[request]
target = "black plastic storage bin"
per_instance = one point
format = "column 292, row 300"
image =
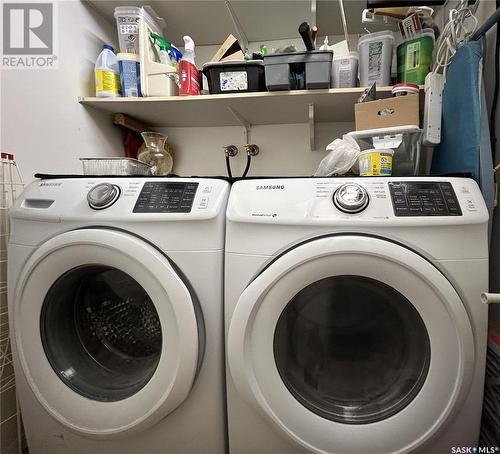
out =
column 235, row 76
column 298, row 70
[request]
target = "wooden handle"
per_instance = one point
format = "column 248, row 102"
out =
column 125, row 121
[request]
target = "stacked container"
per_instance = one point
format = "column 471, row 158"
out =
column 375, row 58
column 127, row 22
column 298, row 70
column 415, row 57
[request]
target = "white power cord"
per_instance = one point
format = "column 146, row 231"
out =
column 455, row 33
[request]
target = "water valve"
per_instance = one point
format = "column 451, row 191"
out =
column 230, row 151
column 252, row 149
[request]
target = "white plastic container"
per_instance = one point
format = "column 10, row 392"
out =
column 375, row 58
column 127, row 22
column 345, row 70
column 376, row 162
column 107, row 74
column 130, row 76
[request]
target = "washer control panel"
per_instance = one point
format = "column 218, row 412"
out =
column 424, row 198
column 166, row 197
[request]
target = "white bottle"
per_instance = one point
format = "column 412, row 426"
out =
column 107, row 74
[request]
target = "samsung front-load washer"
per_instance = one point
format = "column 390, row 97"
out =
column 353, row 316
column 115, row 305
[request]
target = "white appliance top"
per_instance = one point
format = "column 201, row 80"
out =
column 121, row 199
column 358, row 201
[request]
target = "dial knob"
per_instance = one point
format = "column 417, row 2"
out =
column 103, row 195
column 351, row 198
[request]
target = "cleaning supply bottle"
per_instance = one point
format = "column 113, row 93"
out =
column 164, row 47
column 188, row 72
column 107, row 74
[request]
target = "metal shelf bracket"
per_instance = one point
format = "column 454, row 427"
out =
column 243, row 122
column 312, row 138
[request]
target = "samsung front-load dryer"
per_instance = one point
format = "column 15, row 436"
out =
column 353, row 316
column 115, row 305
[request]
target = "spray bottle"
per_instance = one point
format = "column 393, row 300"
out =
column 188, row 72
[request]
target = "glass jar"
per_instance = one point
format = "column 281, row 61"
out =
column 155, row 154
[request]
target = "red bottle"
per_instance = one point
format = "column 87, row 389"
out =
column 188, row 72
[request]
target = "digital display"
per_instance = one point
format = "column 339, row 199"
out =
column 423, row 198
column 165, row 197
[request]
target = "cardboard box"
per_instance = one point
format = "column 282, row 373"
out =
column 228, row 48
column 387, row 113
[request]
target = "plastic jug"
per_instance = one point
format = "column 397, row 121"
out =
column 107, row 74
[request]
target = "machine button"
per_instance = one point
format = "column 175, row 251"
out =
column 103, row 195
column 351, row 198
column 203, row 203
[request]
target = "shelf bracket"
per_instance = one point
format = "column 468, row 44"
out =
column 243, row 122
column 238, row 27
column 312, row 138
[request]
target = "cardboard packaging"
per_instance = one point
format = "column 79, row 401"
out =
column 230, row 50
column 387, row 113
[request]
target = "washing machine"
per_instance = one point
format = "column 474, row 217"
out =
column 116, row 315
column 354, row 323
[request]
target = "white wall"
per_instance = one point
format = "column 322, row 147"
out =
column 284, row 149
column 41, row 121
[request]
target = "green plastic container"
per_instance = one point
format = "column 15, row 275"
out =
column 415, row 58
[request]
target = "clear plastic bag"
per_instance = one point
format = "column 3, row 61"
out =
column 343, row 157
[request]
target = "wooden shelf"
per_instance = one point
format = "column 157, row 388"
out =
column 264, row 108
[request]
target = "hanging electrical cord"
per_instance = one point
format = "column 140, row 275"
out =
column 455, row 33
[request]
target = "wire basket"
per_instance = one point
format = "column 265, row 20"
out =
column 115, row 166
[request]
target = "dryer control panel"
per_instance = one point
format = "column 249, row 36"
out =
column 166, row 197
column 424, row 198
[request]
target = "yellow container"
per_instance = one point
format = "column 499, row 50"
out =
column 377, row 162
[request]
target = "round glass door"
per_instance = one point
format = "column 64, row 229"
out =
column 101, row 332
column 352, row 349
column 107, row 331
column 351, row 343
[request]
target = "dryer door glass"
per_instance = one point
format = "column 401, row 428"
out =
column 352, row 349
column 101, row 332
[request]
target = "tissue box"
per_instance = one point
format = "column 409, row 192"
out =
column 387, row 113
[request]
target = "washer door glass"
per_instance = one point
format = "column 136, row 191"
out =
column 101, row 332
column 352, row 349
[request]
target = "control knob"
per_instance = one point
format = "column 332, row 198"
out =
column 351, row 198
column 103, row 195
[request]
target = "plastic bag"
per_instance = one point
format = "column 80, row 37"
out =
column 342, row 157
